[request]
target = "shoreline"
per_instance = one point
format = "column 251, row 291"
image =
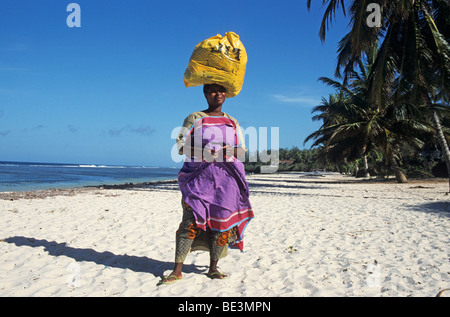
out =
column 71, row 191
column 52, row 192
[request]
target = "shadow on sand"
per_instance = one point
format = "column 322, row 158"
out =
column 439, row 207
column 135, row 263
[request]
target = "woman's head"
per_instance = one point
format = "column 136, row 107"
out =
column 215, row 94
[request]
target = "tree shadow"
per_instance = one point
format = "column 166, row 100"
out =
column 282, row 189
column 123, row 261
column 257, row 186
column 439, row 207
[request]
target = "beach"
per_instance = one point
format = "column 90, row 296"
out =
column 313, row 235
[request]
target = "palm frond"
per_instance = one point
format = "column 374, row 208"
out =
column 330, row 13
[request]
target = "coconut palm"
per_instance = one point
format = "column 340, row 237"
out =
column 414, row 51
column 353, row 125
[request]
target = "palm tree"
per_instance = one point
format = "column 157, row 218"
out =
column 414, row 51
column 353, row 126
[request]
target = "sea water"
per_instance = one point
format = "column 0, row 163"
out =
column 26, row 176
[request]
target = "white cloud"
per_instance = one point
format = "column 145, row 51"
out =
column 142, row 130
column 300, row 100
column 13, row 69
column 14, row 47
column 72, row 128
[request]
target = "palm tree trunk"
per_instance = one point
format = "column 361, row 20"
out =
column 440, row 135
column 399, row 176
column 366, row 166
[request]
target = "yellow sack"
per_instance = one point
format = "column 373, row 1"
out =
column 218, row 60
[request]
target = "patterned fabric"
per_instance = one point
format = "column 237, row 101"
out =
column 189, row 238
column 194, row 117
column 217, row 192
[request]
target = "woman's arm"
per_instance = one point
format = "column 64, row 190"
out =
column 210, row 155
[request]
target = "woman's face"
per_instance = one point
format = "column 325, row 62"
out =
column 216, row 95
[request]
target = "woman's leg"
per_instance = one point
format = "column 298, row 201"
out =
column 184, row 238
column 218, row 241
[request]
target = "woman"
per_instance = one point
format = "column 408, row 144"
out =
column 215, row 196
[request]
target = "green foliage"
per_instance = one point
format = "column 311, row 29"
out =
column 415, row 163
column 392, row 102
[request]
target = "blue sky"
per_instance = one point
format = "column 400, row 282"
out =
column 111, row 91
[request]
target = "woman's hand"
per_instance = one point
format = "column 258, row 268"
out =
column 225, row 153
column 228, row 152
column 210, row 155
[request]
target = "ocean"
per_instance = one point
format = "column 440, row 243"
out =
column 27, row 176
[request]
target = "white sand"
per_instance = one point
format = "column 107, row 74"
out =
column 312, row 236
